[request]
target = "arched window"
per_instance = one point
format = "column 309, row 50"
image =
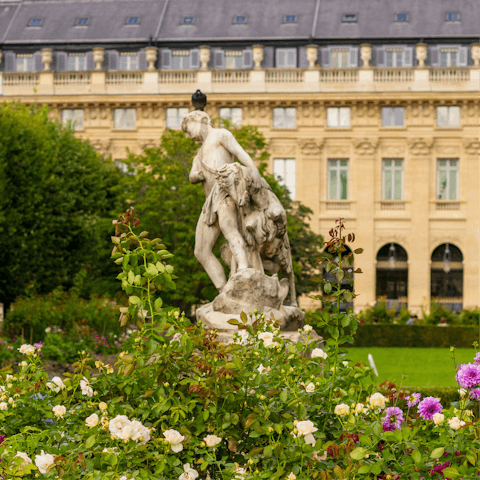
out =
column 392, row 276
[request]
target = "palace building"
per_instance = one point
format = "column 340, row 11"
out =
column 370, row 109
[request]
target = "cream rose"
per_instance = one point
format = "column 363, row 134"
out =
column 310, row 387
column 377, row 401
column 25, row 457
column 58, row 382
column 455, row 423
column 92, row 420
column 342, row 410
column 188, row 473
column 212, row 440
column 27, row 349
column 43, row 461
column 291, row 476
column 359, row 408
column 305, row 427
column 3, row 406
column 117, row 426
column 319, row 353
column 307, row 328
column 175, row 438
column 266, row 338
column 140, row 432
column 438, row 418
column 86, row 388
column 59, row 411
column 102, row 406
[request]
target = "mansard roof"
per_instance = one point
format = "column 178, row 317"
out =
column 315, row 20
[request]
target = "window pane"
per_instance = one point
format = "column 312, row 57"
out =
column 387, row 163
column 290, row 117
column 443, row 59
column 389, row 61
column 290, row 177
column 332, row 117
column 386, row 116
column 398, row 185
column 333, row 184
column 236, row 116
column 453, row 59
column 278, row 168
column 344, row 163
column 454, row 116
column 442, row 184
column 399, row 113
column 344, row 119
column 344, row 184
column 387, row 188
column 398, row 62
column 452, row 187
column 442, row 116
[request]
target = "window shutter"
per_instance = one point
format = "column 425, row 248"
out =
column 268, row 56
column 219, row 59
column 408, row 56
column 353, row 57
column 113, row 60
column 302, row 57
column 380, row 57
column 292, row 58
column 90, row 61
column 37, row 61
column 280, row 58
column 61, row 61
column 10, row 62
column 326, row 57
column 247, row 58
column 142, row 60
column 194, row 58
column 166, row 59
column 105, row 61
column 434, row 56
column 462, row 56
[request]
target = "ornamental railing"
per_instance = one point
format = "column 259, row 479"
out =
column 63, row 79
column 449, row 75
column 393, row 75
column 280, row 75
column 231, row 76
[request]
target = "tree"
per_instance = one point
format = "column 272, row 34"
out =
column 52, row 184
column 169, row 207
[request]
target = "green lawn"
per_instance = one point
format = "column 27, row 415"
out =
column 424, row 367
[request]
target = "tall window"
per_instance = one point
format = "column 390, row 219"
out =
column 185, row 59
column 124, row 118
column 448, row 116
column 338, row 117
column 284, row 117
column 340, row 58
column 447, row 179
column 77, row 62
column 286, row 58
column 128, row 61
column 448, row 56
column 233, row 115
column 175, row 117
column 393, row 117
column 234, row 59
column 74, row 117
column 392, row 179
column 338, row 179
column 25, row 62
column 285, row 169
column 394, row 56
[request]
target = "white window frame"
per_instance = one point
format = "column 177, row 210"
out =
column 174, row 117
column 74, row 115
column 286, row 58
column 120, row 117
column 334, row 164
column 233, row 59
column 128, row 61
column 450, row 113
column 340, row 57
column 280, row 117
column 77, row 62
column 233, row 114
column 392, row 124
column 452, row 164
column 393, row 168
column 285, row 171
column 181, row 59
column 25, row 62
column 338, row 117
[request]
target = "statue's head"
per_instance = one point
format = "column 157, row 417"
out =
column 195, row 123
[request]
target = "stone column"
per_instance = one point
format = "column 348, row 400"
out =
column 257, row 56
column 46, row 58
column 151, row 55
column 366, row 54
column 98, row 57
column 204, row 56
column 421, row 54
column 476, row 54
column 312, row 55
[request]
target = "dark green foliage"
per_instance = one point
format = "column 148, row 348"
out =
column 52, row 184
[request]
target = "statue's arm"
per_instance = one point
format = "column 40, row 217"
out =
column 196, row 174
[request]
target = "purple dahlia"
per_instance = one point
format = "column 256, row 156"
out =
column 393, row 419
column 413, row 399
column 428, row 407
column 468, row 375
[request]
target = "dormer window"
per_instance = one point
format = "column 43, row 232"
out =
column 240, row 20
column 290, row 19
column 453, row 17
column 188, row 20
column 133, row 20
column 349, row 18
column 82, row 21
column 35, row 22
column 401, row 17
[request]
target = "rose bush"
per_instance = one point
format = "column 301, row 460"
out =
column 179, row 404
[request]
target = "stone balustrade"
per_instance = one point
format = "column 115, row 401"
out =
column 298, row 80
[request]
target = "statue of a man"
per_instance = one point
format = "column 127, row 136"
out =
column 220, row 212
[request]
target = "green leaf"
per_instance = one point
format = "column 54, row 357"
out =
column 134, row 300
column 283, row 396
column 90, row 442
column 158, row 303
column 450, row 472
column 438, row 452
column 358, row 453
column 131, row 277
column 366, row 440
column 206, row 414
column 364, row 469
column 417, row 457
column 244, row 317
column 327, row 288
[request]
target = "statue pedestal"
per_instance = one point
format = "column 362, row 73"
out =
column 246, row 291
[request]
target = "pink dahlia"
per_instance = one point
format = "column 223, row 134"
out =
column 468, row 375
column 428, row 407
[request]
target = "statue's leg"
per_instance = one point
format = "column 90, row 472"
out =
column 227, row 218
column 205, row 238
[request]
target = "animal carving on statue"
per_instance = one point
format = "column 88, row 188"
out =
column 263, row 220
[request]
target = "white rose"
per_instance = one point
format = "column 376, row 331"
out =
column 242, row 337
column 92, row 420
column 262, row 369
column 25, row 457
column 359, row 408
column 175, row 438
column 305, row 427
column 188, row 473
column 23, row 364
column 377, row 401
column 59, row 411
column 123, row 477
column 318, row 352
column 212, row 440
column 310, row 439
column 266, row 337
column 310, row 387
column 48, row 329
column 455, row 423
column 102, row 406
column 43, row 461
column 53, row 387
column 307, row 328
column 118, row 424
column 140, row 432
column 27, row 349
column 342, row 409
column 291, row 476
column 86, row 388
column 462, row 392
column 176, row 338
column 3, row 406
column 438, row 418
column 345, row 363
column 59, row 382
